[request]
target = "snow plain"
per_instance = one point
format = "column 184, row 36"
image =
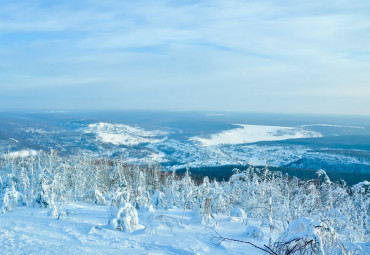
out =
column 120, row 134
column 329, row 125
column 21, row 153
column 84, row 230
column 255, row 133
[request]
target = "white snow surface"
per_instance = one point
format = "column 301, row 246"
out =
column 301, row 227
column 255, row 133
column 331, row 125
column 85, row 230
column 120, row 134
column 21, row 153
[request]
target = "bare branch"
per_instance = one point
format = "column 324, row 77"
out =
column 217, row 236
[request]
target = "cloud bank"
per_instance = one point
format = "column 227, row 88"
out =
column 261, row 56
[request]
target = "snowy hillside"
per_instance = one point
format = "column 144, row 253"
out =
column 85, row 231
column 79, row 205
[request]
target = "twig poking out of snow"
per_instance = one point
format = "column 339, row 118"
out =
column 218, row 239
column 158, row 221
column 306, row 236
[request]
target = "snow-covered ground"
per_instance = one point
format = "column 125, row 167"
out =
column 255, row 133
column 21, row 153
column 236, row 209
column 84, row 230
column 328, row 125
column 120, row 134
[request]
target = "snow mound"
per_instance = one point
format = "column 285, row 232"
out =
column 254, row 232
column 120, row 134
column 302, row 236
column 237, row 212
column 301, row 227
column 255, row 133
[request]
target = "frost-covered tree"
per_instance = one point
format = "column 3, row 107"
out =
column 10, row 199
column 45, row 197
column 124, row 218
column 270, row 198
column 159, row 200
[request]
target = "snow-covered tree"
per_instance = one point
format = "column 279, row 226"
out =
column 124, row 218
column 10, row 198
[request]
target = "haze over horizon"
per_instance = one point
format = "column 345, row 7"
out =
column 244, row 56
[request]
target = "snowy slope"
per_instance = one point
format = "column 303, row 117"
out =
column 84, row 231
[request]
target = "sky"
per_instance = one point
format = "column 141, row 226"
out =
column 308, row 56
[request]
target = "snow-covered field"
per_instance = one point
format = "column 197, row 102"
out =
column 255, row 133
column 84, row 230
column 120, row 134
column 328, row 125
column 175, row 214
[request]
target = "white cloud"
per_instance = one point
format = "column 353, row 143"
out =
column 262, row 49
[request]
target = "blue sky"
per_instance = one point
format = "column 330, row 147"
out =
column 230, row 55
